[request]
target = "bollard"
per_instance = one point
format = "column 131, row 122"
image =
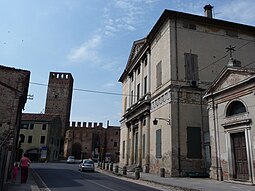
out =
column 111, row 167
column 162, row 172
column 137, row 173
column 103, row 165
column 107, row 166
column 124, row 170
column 116, row 169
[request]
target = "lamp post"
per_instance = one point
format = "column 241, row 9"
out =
column 155, row 121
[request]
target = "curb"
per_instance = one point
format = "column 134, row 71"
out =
column 146, row 180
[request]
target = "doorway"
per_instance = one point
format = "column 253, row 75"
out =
column 240, row 162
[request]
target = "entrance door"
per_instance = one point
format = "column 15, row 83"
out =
column 240, row 156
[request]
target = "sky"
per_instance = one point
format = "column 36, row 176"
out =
column 91, row 39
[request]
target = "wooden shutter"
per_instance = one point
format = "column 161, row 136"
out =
column 158, row 143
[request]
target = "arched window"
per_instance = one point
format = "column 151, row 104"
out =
column 235, row 107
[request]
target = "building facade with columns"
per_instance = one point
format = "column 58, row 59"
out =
column 164, row 121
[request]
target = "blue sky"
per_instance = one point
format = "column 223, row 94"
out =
column 92, row 40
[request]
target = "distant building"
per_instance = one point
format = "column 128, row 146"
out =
column 40, row 137
column 14, row 85
column 59, row 97
column 164, row 121
column 89, row 140
column 231, row 123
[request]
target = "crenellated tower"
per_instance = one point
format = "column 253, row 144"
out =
column 59, row 97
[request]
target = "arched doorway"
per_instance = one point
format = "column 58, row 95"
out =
column 76, row 150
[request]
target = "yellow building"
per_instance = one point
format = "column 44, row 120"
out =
column 40, row 136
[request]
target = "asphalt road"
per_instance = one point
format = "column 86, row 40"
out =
column 66, row 177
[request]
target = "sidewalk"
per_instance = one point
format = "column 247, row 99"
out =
column 186, row 183
column 29, row 186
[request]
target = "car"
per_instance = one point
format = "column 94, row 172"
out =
column 87, row 165
column 70, row 160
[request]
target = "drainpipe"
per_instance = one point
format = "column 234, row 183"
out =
column 178, row 130
column 178, row 96
column 202, row 128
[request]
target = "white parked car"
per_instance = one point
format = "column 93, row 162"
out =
column 87, row 165
column 70, row 160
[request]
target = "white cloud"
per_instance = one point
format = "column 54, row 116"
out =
column 238, row 11
column 110, row 84
column 87, row 51
column 126, row 18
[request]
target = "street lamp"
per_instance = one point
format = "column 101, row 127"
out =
column 155, row 121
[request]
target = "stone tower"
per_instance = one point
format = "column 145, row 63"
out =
column 59, row 97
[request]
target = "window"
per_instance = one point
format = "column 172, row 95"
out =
column 24, row 126
column 115, row 144
column 232, row 33
column 145, row 61
column 159, row 74
column 42, row 140
column 57, row 142
column 194, row 143
column 236, row 107
column 31, row 126
column 143, row 146
column 125, row 104
column 138, row 70
column 30, row 139
column 22, row 138
column 189, row 26
column 131, row 97
column 158, row 143
column 138, row 91
column 52, row 140
column 191, row 66
column 123, row 149
column 44, row 127
column 145, row 85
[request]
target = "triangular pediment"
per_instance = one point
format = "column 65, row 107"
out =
column 137, row 45
column 229, row 78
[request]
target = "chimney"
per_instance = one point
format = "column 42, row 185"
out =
column 208, row 11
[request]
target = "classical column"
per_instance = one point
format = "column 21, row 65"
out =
column 141, row 79
column 129, row 93
column 132, row 145
column 149, row 70
column 134, row 87
column 127, row 146
column 147, row 144
column 140, row 143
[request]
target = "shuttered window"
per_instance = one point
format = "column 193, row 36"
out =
column 159, row 74
column 194, row 143
column 158, row 143
column 191, row 67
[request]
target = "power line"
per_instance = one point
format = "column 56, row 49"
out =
column 84, row 90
